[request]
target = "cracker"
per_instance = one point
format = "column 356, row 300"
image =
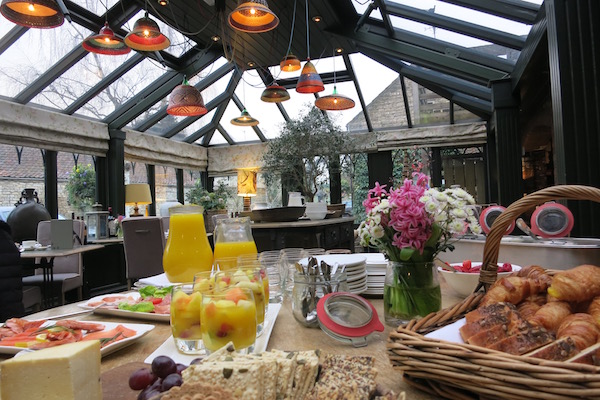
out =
column 245, row 380
column 307, row 366
column 197, row 391
column 286, row 365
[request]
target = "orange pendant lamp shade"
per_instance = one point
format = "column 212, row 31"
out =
column 309, row 81
column 253, row 17
column 186, row 101
column 275, row 94
column 105, row 42
column 33, row 13
column 290, row 63
column 334, row 102
column 146, row 36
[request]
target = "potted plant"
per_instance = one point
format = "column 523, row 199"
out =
column 214, row 202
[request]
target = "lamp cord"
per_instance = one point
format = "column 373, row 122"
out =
column 292, row 31
column 307, row 34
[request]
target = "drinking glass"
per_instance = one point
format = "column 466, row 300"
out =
column 289, row 258
column 225, row 263
column 271, row 264
column 185, row 318
column 229, row 316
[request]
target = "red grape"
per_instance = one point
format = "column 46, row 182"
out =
column 141, row 378
column 180, row 368
column 163, row 366
column 170, row 381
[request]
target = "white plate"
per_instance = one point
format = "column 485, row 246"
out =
column 123, row 313
column 168, row 347
column 349, row 260
column 449, row 333
column 140, row 329
column 357, row 277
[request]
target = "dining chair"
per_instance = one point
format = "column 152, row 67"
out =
column 144, row 244
column 68, row 270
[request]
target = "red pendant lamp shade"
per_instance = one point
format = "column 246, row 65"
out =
column 105, row 42
column 275, row 94
column 33, row 13
column 146, row 36
column 253, row 17
column 334, row 102
column 186, row 101
column 309, row 81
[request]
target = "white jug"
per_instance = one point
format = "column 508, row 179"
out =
column 295, row 199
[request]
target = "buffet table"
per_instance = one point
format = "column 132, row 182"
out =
column 287, row 335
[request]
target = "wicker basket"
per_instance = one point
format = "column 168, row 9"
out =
column 462, row 371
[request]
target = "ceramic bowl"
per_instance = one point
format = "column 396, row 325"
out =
column 317, row 214
column 463, row 283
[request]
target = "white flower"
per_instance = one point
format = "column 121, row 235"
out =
column 456, row 226
column 377, row 232
column 476, row 229
column 458, row 213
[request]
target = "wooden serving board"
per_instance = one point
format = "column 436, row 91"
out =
column 115, row 382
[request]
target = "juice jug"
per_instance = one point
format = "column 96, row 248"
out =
column 233, row 237
column 187, row 250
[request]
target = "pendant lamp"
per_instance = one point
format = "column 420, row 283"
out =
column 334, row 102
column 275, row 94
column 290, row 63
column 105, row 42
column 33, row 13
column 186, row 101
column 253, row 17
column 244, row 120
column 309, row 80
column 146, row 36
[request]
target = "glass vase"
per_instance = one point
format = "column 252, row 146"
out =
column 411, row 290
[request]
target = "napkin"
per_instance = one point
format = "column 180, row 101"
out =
column 156, row 280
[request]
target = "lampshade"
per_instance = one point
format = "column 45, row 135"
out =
column 275, row 94
column 253, row 17
column 309, row 81
column 33, row 13
column 186, row 101
column 137, row 193
column 290, row 63
column 244, row 120
column 105, row 42
column 334, row 102
column 246, row 186
column 146, row 36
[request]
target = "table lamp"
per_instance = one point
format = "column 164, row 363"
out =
column 136, row 194
column 246, row 186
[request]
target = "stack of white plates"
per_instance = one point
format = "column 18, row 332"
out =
column 355, row 266
column 376, row 267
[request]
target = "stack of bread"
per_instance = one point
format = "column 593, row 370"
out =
column 535, row 314
column 277, row 374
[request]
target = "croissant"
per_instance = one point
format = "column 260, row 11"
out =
column 579, row 284
column 551, row 315
column 535, row 272
column 581, row 328
column 512, row 289
column 527, row 309
column 594, row 309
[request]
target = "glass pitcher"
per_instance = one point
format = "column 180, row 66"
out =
column 233, row 237
column 187, row 250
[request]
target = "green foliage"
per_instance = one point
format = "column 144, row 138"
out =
column 81, row 187
column 299, row 156
column 216, row 200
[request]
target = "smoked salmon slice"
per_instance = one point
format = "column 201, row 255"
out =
column 110, row 336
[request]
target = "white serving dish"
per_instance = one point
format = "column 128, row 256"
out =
column 463, row 283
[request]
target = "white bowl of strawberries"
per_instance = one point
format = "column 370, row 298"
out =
column 466, row 277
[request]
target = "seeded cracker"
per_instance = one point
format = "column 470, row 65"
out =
column 286, row 365
column 245, row 380
column 345, row 377
column 197, row 391
column 305, row 374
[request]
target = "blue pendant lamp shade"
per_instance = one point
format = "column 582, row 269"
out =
column 275, row 94
column 253, row 17
column 33, row 13
column 186, row 101
column 309, row 80
column 244, row 120
column 146, row 36
column 334, row 102
column 105, row 42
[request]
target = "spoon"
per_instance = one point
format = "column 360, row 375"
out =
column 523, row 226
column 443, row 265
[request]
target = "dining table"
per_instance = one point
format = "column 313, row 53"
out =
column 287, row 334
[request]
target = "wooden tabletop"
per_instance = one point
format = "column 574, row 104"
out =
column 287, row 334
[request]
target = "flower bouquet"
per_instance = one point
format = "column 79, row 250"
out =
column 411, row 225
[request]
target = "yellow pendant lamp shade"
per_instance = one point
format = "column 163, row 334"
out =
column 105, row 42
column 309, row 81
column 186, row 101
column 275, row 94
column 253, row 17
column 290, row 63
column 244, row 120
column 146, row 36
column 33, row 13
column 334, row 102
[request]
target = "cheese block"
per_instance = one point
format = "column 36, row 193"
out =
column 66, row 372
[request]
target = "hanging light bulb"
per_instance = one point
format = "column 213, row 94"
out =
column 33, row 13
column 146, row 36
column 244, row 120
column 186, row 101
column 253, row 17
column 275, row 94
column 105, row 42
column 290, row 63
column 163, row 2
column 334, row 102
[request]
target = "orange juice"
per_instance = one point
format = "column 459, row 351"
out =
column 234, row 249
column 187, row 250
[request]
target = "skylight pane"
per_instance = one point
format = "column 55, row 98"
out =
column 194, row 127
column 95, row 6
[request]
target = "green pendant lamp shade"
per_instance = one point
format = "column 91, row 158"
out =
column 105, row 42
column 275, row 94
column 33, row 13
column 309, row 81
column 253, row 17
column 334, row 102
column 146, row 36
column 186, row 101
column 244, row 120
